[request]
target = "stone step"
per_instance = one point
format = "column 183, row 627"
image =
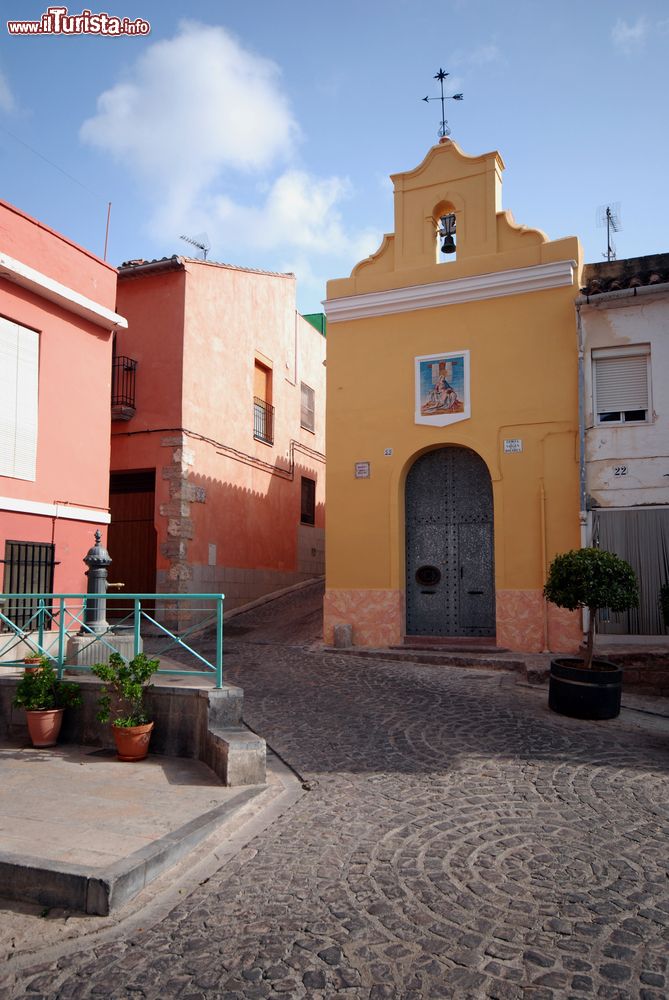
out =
column 436, row 658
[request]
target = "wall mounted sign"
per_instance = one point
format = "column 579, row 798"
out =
column 442, row 388
column 387, row 452
column 362, row 470
column 512, row 445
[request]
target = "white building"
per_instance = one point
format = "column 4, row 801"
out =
column 624, row 334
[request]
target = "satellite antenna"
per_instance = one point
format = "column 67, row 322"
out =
column 609, row 216
column 201, row 241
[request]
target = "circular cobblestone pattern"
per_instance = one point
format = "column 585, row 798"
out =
column 459, row 840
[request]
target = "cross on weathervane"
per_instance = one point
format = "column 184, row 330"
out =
column 444, row 130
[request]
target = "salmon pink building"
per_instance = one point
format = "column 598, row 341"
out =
column 217, row 481
column 57, row 317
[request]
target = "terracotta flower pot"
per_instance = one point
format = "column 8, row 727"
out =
column 32, row 664
column 44, row 726
column 132, row 742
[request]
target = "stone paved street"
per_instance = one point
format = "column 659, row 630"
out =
column 458, row 840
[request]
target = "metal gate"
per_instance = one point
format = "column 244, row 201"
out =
column 450, row 588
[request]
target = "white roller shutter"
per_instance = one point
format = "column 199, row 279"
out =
column 19, row 369
column 620, row 380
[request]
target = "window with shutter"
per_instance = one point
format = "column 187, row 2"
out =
column 621, row 384
column 307, row 407
column 19, row 366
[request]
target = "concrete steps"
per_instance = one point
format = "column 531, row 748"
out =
column 500, row 660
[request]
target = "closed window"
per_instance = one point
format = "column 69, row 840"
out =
column 621, row 382
column 308, row 508
column 19, row 365
column 29, row 569
column 307, row 416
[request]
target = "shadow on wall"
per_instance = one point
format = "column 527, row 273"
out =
column 218, row 536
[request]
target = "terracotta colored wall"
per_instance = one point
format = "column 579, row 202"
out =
column 154, row 308
column 53, row 254
column 74, row 392
column 72, row 540
column 215, row 484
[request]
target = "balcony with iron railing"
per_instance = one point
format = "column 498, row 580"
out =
column 263, row 420
column 123, row 388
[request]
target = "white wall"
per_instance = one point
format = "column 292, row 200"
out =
column 642, row 449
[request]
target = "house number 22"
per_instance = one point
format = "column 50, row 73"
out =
column 620, row 470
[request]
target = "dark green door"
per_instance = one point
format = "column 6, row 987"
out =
column 450, row 586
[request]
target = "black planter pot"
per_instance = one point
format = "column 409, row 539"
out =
column 585, row 694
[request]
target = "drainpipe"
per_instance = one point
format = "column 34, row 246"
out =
column 544, row 568
column 583, row 513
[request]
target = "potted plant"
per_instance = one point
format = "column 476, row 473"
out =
column 122, row 700
column 32, row 662
column 588, row 688
column 44, row 699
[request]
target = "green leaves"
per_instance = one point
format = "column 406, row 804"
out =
column 591, row 578
column 40, row 690
column 125, row 687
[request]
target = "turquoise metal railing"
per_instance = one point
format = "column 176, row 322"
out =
column 64, row 614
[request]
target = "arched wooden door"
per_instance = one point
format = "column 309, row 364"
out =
column 450, row 580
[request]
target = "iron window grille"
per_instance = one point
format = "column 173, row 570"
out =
column 263, row 420
column 29, row 569
column 123, row 387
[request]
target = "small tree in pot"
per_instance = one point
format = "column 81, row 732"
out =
column 44, row 699
column 593, row 579
column 122, row 700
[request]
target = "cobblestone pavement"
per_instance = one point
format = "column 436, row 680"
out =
column 458, row 841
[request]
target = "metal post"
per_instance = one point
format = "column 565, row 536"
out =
column 219, row 642
column 61, row 638
column 97, row 559
column 138, row 626
column 40, row 625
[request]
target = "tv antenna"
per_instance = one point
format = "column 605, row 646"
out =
column 201, row 241
column 444, row 130
column 609, row 216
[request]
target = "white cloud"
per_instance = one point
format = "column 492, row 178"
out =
column 203, row 123
column 7, row 102
column 190, row 107
column 299, row 211
column 629, row 37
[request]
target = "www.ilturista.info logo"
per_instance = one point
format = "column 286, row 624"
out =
column 57, row 21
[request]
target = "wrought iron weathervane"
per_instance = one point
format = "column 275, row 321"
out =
column 444, row 130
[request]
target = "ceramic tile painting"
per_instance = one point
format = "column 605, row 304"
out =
column 442, row 388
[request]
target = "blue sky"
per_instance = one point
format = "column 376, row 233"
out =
column 273, row 127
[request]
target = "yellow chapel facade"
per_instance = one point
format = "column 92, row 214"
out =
column 452, row 420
